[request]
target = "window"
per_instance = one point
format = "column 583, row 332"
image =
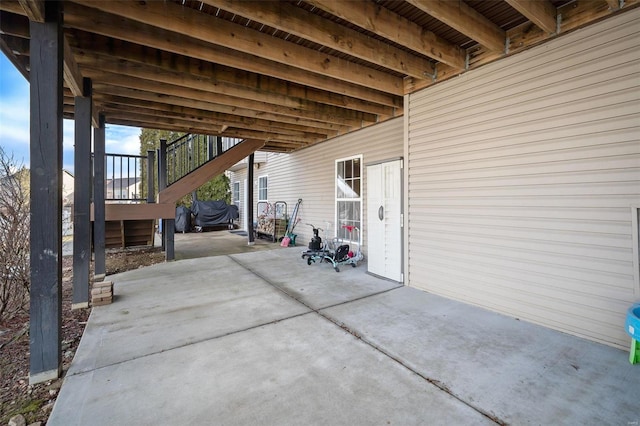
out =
column 236, row 193
column 263, row 193
column 348, row 196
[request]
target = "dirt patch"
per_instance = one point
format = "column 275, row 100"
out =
column 36, row 402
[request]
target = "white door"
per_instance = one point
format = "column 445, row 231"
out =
column 384, row 219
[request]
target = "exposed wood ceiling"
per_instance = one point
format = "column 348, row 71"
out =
column 292, row 73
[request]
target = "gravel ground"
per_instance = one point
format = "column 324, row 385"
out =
column 36, row 402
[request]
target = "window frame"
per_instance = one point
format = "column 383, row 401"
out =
column 235, row 193
column 266, row 188
column 358, row 199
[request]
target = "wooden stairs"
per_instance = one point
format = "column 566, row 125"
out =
column 128, row 225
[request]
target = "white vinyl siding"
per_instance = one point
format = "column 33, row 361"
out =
column 521, row 180
column 310, row 173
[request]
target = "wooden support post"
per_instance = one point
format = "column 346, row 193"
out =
column 169, row 227
column 99, row 228
column 82, row 198
column 250, row 230
column 46, row 98
column 151, row 187
column 162, row 183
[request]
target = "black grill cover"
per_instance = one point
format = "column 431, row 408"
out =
column 212, row 213
column 183, row 219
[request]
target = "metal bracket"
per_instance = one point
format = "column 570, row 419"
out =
column 433, row 76
column 507, row 44
column 559, row 22
column 466, row 61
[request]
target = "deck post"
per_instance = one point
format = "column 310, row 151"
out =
column 151, row 187
column 82, row 198
column 218, row 145
column 46, row 83
column 210, row 151
column 162, row 184
column 250, row 230
column 99, row 229
column 168, row 225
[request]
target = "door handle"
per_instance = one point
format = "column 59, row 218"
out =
column 381, row 213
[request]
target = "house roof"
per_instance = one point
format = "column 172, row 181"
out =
column 292, row 73
column 121, row 183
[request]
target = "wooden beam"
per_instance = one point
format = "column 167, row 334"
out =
column 458, row 15
column 129, row 96
column 137, row 211
column 171, row 111
column 217, row 126
column 306, row 139
column 124, row 69
column 84, row 18
column 206, row 172
column 574, row 15
column 381, row 21
column 91, row 48
column 540, row 12
column 192, row 127
column 184, row 20
column 72, row 74
column 46, row 197
column 34, row 9
column 14, row 25
column 285, row 17
column 17, row 46
column 325, row 113
column 152, row 121
column 20, row 62
column 13, row 7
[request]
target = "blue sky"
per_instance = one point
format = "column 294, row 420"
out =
column 14, row 122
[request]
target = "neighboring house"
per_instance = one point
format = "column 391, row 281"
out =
column 67, row 187
column 125, row 189
column 515, row 186
column 67, row 202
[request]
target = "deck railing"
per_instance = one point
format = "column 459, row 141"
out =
column 125, row 175
column 123, row 180
column 191, row 151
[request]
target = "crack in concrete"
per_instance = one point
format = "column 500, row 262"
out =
column 437, row 383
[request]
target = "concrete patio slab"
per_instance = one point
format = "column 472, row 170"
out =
column 263, row 338
column 518, row 372
column 216, row 243
column 174, row 304
column 300, row 371
column 316, row 285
